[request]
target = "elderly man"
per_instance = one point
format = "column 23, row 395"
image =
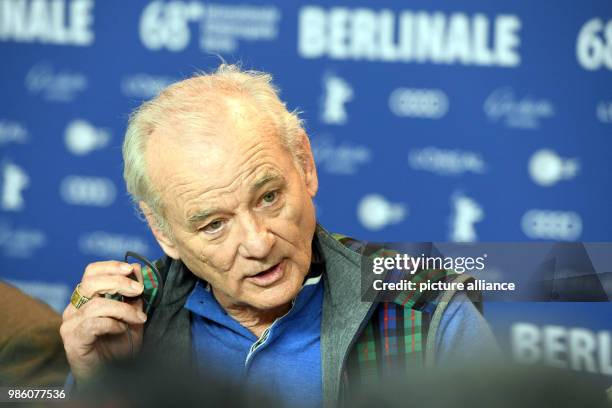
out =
column 255, row 289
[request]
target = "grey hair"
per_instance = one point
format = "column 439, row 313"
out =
column 194, row 103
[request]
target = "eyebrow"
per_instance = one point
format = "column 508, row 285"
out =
column 201, row 215
column 266, row 178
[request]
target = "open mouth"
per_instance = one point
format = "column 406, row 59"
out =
column 269, row 276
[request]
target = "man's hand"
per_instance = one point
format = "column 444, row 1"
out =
column 98, row 330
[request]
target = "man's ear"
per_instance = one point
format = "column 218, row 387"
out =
column 163, row 240
column 308, row 166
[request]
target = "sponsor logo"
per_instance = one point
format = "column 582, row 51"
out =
column 375, row 212
column 554, row 225
column 418, row 103
column 166, row 25
column 594, row 45
column 14, row 181
column 337, row 93
column 54, row 85
column 144, row 86
column 88, row 191
column 55, row 295
column 339, row 158
column 466, row 212
column 82, row 138
column 525, row 113
column 20, row 242
column 110, row 245
column 341, row 33
column 53, row 22
column 547, row 168
column 604, row 111
column 562, row 347
column 12, row 132
column 446, row 162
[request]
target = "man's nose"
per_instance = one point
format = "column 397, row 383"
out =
column 256, row 240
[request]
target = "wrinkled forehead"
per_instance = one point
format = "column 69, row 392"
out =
column 209, row 156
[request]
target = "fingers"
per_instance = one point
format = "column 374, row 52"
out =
column 101, row 307
column 137, row 303
column 68, row 312
column 98, row 317
column 110, row 284
column 108, row 268
column 109, row 277
column 92, row 328
column 82, row 329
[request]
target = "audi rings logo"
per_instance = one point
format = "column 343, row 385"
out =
column 547, row 224
column 418, row 103
column 89, row 191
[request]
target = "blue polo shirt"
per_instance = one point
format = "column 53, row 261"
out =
column 285, row 359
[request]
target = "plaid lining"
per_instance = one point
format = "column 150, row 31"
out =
column 393, row 341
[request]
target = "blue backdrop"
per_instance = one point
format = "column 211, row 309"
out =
column 438, row 120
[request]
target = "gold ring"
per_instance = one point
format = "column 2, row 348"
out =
column 77, row 299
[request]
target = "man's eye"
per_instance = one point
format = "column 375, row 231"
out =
column 270, row 197
column 213, row 226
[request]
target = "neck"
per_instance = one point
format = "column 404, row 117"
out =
column 255, row 320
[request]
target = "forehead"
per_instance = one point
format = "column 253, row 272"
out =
column 190, row 165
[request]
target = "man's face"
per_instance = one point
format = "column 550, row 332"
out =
column 241, row 213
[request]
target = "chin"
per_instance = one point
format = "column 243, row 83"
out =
column 278, row 295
